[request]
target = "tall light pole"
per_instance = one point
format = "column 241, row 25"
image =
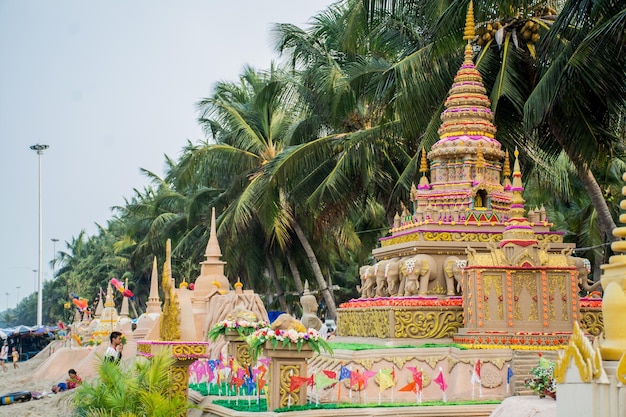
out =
column 40, row 148
column 54, row 253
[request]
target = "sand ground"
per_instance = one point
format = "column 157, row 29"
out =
column 49, row 367
column 23, row 379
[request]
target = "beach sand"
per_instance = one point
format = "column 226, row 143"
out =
column 50, row 367
column 24, row 379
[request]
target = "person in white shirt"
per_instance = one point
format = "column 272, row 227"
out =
column 114, row 351
column 4, row 355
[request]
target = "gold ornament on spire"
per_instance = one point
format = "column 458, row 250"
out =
column 480, row 158
column 469, row 33
column 423, row 163
column 506, row 170
column 170, row 320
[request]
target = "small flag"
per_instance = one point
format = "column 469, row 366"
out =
column 344, row 373
column 509, row 375
column 476, row 373
column 384, row 381
column 440, row 380
column 322, row 380
column 297, row 381
column 410, row 387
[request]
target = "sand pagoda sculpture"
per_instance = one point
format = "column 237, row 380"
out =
column 468, row 216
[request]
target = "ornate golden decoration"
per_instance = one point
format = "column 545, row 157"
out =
column 179, row 377
column 366, row 363
column 432, row 361
column 364, row 322
column 170, row 318
column 557, row 288
column 586, row 357
column 286, row 372
column 592, row 322
column 438, row 289
column 498, row 362
column 495, row 282
column 398, row 361
column 420, row 324
column 527, row 281
column 188, row 349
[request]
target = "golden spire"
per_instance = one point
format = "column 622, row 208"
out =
column 170, row 319
column 424, row 184
column 506, row 170
column 424, row 163
column 469, row 33
column 467, row 119
column 480, row 159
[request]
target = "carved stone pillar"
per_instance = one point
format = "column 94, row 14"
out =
column 185, row 354
column 286, row 363
column 238, row 348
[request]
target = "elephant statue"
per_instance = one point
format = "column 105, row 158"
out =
column 392, row 275
column 381, row 279
column 368, row 281
column 453, row 271
column 417, row 271
column 583, row 266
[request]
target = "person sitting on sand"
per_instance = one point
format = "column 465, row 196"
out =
column 74, row 380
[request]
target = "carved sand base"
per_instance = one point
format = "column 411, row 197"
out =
column 456, row 365
column 393, row 320
column 185, row 354
column 286, row 363
column 238, row 349
column 400, row 322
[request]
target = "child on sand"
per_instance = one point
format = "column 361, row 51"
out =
column 74, row 380
column 16, row 358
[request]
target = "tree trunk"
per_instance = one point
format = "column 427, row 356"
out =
column 295, row 274
column 279, row 290
column 605, row 220
column 321, row 282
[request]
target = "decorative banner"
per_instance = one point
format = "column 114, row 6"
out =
column 120, row 287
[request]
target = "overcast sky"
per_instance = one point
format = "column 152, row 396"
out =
column 111, row 87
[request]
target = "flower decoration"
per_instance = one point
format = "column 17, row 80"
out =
column 542, row 381
column 287, row 338
column 241, row 326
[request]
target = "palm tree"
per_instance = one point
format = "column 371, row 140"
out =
column 142, row 390
column 581, row 95
column 251, row 123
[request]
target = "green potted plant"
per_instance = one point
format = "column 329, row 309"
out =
column 291, row 339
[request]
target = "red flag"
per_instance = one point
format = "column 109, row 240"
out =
column 297, row 381
column 262, row 383
column 441, row 381
column 476, row 373
column 331, row 374
column 238, row 382
column 419, row 381
column 477, row 368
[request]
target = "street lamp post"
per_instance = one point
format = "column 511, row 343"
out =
column 40, row 148
column 54, row 254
